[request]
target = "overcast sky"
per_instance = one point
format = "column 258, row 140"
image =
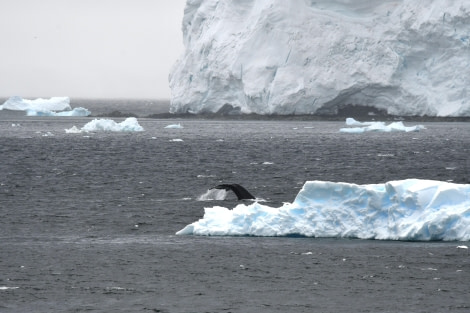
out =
column 89, row 48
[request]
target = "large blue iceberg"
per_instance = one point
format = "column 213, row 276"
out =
column 411, row 209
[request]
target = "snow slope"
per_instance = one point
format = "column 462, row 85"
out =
column 407, row 57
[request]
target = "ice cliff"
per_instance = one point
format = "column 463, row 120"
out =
column 405, row 57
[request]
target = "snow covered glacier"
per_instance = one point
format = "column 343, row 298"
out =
column 405, row 57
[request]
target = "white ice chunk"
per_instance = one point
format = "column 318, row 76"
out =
column 378, row 127
column 73, row 130
column 174, row 126
column 128, row 125
column 352, row 122
column 8, row 288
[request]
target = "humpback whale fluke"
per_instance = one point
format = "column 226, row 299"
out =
column 239, row 190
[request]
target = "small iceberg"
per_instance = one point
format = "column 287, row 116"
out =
column 362, row 127
column 175, row 126
column 73, row 130
column 8, row 288
column 128, row 125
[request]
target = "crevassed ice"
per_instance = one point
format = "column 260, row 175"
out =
column 409, row 209
column 406, row 57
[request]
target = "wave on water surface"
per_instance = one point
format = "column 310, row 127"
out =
column 412, row 209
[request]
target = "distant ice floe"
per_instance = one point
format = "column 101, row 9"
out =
column 412, row 209
column 363, row 127
column 55, row 106
column 16, row 103
column 174, row 126
column 75, row 112
column 128, row 125
column 8, row 288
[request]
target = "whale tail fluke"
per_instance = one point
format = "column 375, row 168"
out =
column 239, row 190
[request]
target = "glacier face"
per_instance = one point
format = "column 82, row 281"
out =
column 406, row 57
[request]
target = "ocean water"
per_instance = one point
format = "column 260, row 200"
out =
column 88, row 221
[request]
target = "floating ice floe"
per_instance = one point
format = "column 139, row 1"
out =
column 55, row 106
column 175, row 126
column 411, row 209
column 73, row 130
column 377, row 127
column 8, row 288
column 16, row 103
column 128, row 125
column 75, row 112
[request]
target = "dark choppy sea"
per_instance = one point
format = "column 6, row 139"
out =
column 87, row 221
